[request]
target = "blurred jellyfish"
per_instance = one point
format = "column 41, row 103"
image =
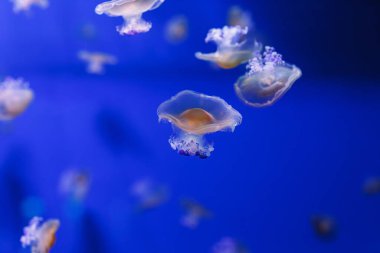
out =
column 149, row 194
column 372, row 186
column 194, row 213
column 74, row 184
column 96, row 61
column 324, row 226
column 228, row 245
column 176, row 29
column 25, row 5
column 40, row 237
column 267, row 80
column 193, row 115
column 239, row 17
column 233, row 47
column 15, row 96
column 131, row 11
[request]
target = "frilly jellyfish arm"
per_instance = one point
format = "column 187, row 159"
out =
column 134, row 25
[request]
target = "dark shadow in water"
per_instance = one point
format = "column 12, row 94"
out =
column 119, row 134
column 92, row 238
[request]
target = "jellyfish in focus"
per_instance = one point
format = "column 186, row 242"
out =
column 233, row 47
column 176, row 29
column 131, row 11
column 193, row 115
column 194, row 213
column 324, row 226
column 267, row 80
column 15, row 97
column 149, row 194
column 372, row 186
column 25, row 5
column 96, row 61
column 74, row 184
column 239, row 17
column 228, row 245
column 40, row 237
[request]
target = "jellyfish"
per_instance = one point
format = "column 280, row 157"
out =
column 194, row 115
column 233, row 47
column 228, row 245
column 75, row 184
column 176, row 29
column 239, row 17
column 131, row 11
column 372, row 186
column 96, row 61
column 194, row 213
column 267, row 80
column 25, row 5
column 324, row 226
column 40, row 237
column 15, row 97
column 149, row 194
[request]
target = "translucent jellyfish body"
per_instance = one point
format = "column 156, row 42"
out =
column 40, row 237
column 194, row 213
column 193, row 115
column 149, row 194
column 228, row 245
column 15, row 97
column 96, row 61
column 131, row 11
column 239, row 17
column 233, row 47
column 74, row 184
column 176, row 29
column 267, row 80
column 25, row 5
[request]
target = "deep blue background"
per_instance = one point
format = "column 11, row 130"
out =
column 309, row 154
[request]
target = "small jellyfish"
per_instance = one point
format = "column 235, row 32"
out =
column 15, row 97
column 194, row 213
column 233, row 47
column 267, row 80
column 228, row 245
column 372, row 186
column 176, row 29
column 131, row 11
column 324, row 226
column 25, row 5
column 96, row 61
column 193, row 115
column 149, row 194
column 40, row 237
column 75, row 184
column 239, row 17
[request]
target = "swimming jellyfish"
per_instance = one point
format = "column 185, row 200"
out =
column 25, row 5
column 267, row 80
column 228, row 245
column 15, row 97
column 131, row 11
column 74, row 184
column 239, row 17
column 40, row 237
column 233, row 47
column 372, row 186
column 194, row 115
column 149, row 194
column 176, row 29
column 324, row 226
column 194, row 213
column 96, row 61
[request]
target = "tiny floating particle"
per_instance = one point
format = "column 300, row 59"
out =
column 96, row 61
column 194, row 115
column 25, row 5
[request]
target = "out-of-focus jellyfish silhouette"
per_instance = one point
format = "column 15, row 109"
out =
column 239, row 17
column 96, row 61
column 74, row 184
column 40, row 237
column 25, row 5
column 233, row 47
column 324, row 226
column 267, row 80
column 131, row 11
column 176, row 29
column 194, row 115
column 149, row 194
column 194, row 213
column 228, row 245
column 372, row 186
column 15, row 96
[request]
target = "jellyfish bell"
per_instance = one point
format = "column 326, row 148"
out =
column 40, row 237
column 176, row 29
column 233, row 47
column 228, row 245
column 194, row 213
column 15, row 97
column 194, row 115
column 75, row 184
column 268, row 79
column 96, row 61
column 25, row 5
column 149, row 194
column 131, row 11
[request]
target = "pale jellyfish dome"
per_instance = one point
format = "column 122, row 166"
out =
column 199, row 114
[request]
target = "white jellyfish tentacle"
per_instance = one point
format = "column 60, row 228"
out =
column 133, row 25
